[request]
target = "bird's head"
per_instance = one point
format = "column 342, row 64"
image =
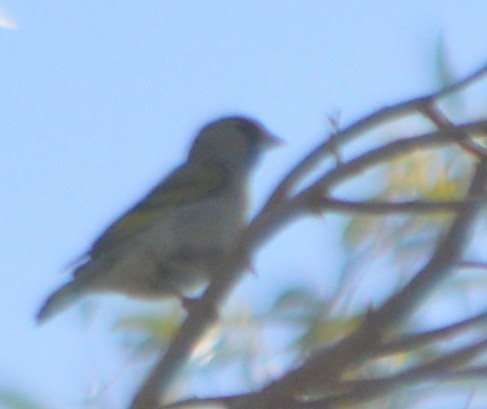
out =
column 234, row 142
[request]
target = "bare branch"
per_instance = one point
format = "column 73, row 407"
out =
column 325, row 366
column 379, row 117
column 381, row 208
column 472, row 264
column 396, row 148
column 434, row 114
column 409, row 342
column 345, row 392
column 439, row 368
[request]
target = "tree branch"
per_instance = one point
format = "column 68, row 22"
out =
column 279, row 211
column 409, row 342
column 379, row 117
column 381, row 208
column 325, row 366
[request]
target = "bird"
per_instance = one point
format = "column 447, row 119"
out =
column 168, row 244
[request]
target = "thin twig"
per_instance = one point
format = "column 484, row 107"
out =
column 398, row 147
column 438, row 118
column 409, row 342
column 472, row 264
column 383, row 207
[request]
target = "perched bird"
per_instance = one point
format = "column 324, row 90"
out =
column 169, row 242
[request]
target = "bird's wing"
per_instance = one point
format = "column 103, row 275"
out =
column 187, row 184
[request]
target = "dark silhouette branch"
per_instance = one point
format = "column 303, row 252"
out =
column 408, row 342
column 346, row 392
column 381, row 208
column 437, row 369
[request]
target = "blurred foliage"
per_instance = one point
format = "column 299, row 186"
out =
column 145, row 332
column 425, row 175
column 14, row 399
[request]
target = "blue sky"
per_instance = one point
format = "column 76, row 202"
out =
column 99, row 99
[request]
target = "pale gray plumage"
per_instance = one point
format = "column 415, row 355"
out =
column 167, row 244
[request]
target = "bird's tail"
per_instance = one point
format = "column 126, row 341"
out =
column 59, row 300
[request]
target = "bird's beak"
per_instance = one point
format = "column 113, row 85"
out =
column 270, row 140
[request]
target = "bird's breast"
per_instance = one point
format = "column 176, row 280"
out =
column 208, row 226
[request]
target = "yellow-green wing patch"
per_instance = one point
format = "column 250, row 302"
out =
column 185, row 185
